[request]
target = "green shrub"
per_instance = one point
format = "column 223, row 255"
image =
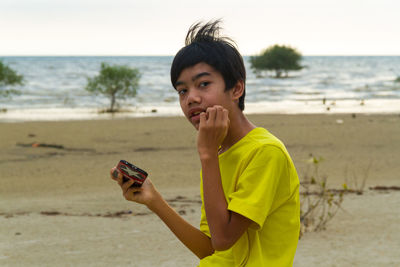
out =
column 8, row 76
column 277, row 58
column 115, row 82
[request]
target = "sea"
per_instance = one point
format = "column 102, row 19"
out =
column 54, row 87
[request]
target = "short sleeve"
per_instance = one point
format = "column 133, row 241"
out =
column 257, row 185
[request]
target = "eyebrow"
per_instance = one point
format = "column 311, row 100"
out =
column 194, row 78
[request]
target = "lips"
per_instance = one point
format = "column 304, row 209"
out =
column 194, row 114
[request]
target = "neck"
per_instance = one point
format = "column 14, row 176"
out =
column 239, row 127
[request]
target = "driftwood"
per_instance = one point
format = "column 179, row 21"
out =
column 55, row 146
column 36, row 144
column 382, row 187
column 352, row 191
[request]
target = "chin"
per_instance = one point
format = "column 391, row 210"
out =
column 195, row 124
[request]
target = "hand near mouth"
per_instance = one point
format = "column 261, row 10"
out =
column 213, row 128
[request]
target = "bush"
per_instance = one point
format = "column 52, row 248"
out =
column 8, row 76
column 116, row 82
column 277, row 58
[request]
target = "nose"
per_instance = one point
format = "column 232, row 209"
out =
column 193, row 97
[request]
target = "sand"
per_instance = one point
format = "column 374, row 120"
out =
column 58, row 206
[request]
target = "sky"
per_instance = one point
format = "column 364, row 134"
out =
column 158, row 27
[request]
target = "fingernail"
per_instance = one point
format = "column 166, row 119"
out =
column 115, row 174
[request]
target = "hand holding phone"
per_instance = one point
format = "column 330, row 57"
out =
column 130, row 171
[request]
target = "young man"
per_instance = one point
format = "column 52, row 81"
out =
column 249, row 185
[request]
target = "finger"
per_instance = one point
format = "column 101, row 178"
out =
column 134, row 190
column 219, row 113
column 203, row 118
column 114, row 173
column 131, row 193
column 211, row 112
column 125, row 186
column 120, row 178
column 225, row 116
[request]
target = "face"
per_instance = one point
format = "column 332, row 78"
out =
column 200, row 87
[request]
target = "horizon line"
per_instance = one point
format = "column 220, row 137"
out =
column 164, row 55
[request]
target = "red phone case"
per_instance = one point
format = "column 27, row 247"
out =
column 130, row 171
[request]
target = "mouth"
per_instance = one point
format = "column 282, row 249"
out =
column 194, row 115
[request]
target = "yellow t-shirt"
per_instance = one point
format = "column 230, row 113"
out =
column 260, row 182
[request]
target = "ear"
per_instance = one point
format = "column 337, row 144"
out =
column 237, row 90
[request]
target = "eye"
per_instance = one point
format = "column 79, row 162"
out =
column 204, row 84
column 182, row 91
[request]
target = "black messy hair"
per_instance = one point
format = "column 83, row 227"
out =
column 203, row 44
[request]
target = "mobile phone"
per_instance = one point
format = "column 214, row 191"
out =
column 130, row 171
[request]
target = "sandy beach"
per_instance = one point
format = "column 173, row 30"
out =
column 58, row 206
